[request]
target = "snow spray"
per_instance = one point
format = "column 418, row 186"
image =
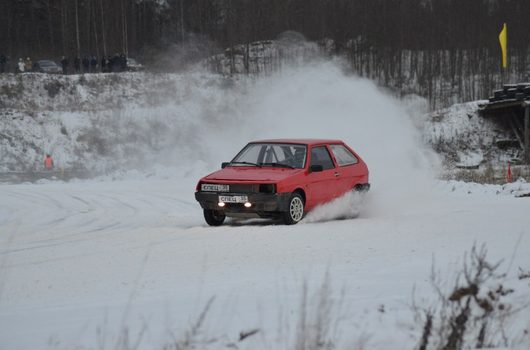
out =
column 320, row 101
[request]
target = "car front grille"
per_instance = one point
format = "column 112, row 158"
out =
column 242, row 188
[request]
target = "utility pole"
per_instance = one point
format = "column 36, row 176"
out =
column 527, row 132
column 182, row 20
column 94, row 11
column 63, row 26
column 103, row 28
column 50, row 26
column 77, row 28
column 124, row 29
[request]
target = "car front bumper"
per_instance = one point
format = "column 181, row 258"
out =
column 263, row 204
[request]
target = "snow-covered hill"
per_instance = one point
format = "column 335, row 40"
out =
column 184, row 119
column 100, row 123
column 103, row 122
column 471, row 146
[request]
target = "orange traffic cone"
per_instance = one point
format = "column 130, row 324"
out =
column 509, row 173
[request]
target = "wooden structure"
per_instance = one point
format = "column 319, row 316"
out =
column 515, row 114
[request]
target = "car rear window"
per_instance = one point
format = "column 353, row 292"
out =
column 343, row 155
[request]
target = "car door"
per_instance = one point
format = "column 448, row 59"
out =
column 321, row 184
column 348, row 171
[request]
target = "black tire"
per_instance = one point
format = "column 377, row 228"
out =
column 214, row 217
column 295, row 209
column 362, row 188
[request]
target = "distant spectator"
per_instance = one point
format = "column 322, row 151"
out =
column 3, row 62
column 64, row 65
column 21, row 66
column 104, row 64
column 77, row 64
column 123, row 63
column 114, row 63
column 93, row 64
column 109, row 63
column 86, row 64
column 28, row 64
column 48, row 162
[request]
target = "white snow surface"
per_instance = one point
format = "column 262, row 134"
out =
column 84, row 261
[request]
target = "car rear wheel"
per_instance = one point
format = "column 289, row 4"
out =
column 295, row 210
column 362, row 188
column 214, row 217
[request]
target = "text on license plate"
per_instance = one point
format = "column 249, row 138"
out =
column 233, row 199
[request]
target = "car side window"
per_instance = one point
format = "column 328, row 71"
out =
column 343, row 155
column 320, row 156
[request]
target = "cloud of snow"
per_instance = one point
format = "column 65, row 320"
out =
column 348, row 206
column 319, row 100
column 211, row 119
column 193, row 121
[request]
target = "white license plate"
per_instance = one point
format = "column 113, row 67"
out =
column 233, row 199
column 214, row 188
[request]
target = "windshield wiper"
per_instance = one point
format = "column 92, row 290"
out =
column 246, row 163
column 280, row 165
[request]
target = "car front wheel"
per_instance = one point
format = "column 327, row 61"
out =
column 295, row 210
column 214, row 217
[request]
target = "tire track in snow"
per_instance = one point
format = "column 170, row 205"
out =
column 62, row 214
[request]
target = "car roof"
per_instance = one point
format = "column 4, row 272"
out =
column 299, row 141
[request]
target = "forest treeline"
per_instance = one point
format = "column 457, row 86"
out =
column 376, row 35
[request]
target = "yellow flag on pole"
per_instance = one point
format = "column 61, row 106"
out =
column 503, row 39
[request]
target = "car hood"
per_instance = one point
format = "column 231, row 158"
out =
column 252, row 174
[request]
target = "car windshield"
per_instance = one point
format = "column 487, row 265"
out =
column 273, row 155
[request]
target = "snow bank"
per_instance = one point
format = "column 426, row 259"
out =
column 518, row 188
column 465, row 139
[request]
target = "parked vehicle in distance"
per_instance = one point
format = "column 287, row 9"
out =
column 133, row 65
column 281, row 179
column 47, row 66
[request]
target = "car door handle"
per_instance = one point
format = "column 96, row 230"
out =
column 337, row 174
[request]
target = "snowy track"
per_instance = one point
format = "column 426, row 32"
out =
column 78, row 256
column 82, row 262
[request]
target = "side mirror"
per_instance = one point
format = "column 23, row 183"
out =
column 315, row 168
column 224, row 164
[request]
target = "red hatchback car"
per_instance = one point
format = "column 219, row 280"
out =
column 281, row 179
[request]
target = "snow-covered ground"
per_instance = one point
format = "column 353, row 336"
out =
column 84, row 261
column 82, row 258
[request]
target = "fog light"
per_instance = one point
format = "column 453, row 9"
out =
column 247, row 205
column 221, row 204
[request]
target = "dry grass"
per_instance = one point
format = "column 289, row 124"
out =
column 474, row 312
